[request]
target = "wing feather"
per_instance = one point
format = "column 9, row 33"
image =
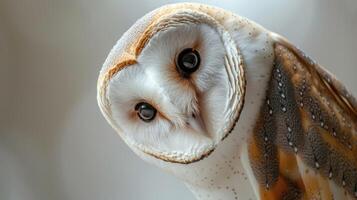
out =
column 309, row 120
column 328, row 114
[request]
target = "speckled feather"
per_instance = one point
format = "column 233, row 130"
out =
column 308, row 119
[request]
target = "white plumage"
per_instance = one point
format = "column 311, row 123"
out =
column 148, row 79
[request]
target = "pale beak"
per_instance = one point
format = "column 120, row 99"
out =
column 196, row 123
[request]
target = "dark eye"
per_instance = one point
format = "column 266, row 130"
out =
column 145, row 111
column 188, row 62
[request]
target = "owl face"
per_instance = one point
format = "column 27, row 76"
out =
column 173, row 85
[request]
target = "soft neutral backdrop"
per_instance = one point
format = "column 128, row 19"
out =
column 54, row 143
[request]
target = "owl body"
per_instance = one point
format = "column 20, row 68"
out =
column 233, row 110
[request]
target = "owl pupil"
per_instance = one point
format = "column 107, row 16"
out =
column 145, row 111
column 188, row 62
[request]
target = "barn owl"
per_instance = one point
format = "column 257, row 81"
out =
column 233, row 110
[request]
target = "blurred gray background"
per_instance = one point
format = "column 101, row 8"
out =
column 54, row 143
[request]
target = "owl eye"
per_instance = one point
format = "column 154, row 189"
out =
column 188, row 62
column 145, row 111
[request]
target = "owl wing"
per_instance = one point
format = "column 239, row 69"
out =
column 304, row 145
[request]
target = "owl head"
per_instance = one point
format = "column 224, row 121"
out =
column 173, row 85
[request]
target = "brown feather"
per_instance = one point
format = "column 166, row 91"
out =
column 309, row 121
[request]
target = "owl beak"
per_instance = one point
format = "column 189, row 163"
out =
column 197, row 124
